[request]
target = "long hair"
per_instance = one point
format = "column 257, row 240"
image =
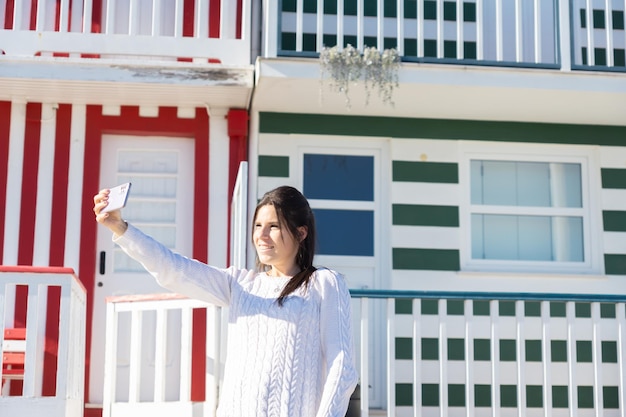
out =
column 293, row 211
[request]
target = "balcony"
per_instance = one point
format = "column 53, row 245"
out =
column 187, row 53
column 531, row 61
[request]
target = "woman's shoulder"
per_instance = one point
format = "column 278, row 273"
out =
column 329, row 276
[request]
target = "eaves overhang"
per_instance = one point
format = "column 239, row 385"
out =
column 443, row 91
column 125, row 82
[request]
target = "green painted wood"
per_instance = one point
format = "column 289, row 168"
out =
column 398, row 127
column 426, row 259
column 613, row 178
column 615, row 264
column 273, row 166
column 614, row 221
column 425, row 215
column 437, row 172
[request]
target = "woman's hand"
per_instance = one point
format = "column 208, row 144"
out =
column 112, row 219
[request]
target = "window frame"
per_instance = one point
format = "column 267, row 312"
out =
column 590, row 211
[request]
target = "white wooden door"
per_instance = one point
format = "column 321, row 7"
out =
column 160, row 204
column 344, row 185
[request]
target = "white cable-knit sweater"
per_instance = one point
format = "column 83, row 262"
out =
column 289, row 361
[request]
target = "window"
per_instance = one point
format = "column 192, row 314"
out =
column 528, row 213
column 334, row 178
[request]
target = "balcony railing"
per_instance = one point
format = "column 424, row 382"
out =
column 564, row 34
column 419, row 353
column 202, row 30
column 42, row 322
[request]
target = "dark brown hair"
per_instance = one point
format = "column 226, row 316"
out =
column 293, row 211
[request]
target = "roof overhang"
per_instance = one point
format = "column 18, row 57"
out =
column 125, row 82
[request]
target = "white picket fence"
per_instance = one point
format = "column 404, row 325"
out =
column 140, row 29
column 68, row 398
column 148, row 357
column 442, row 354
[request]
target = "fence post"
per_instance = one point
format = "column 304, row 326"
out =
column 565, row 34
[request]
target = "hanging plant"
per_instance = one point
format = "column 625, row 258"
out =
column 378, row 70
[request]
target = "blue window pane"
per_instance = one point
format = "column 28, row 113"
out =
column 339, row 177
column 345, row 232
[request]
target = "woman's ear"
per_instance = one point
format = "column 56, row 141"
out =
column 302, row 233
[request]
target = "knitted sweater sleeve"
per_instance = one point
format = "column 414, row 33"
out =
column 176, row 272
column 337, row 345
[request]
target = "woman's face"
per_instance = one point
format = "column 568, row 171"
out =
column 275, row 246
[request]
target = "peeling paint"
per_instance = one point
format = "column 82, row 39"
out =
column 221, row 76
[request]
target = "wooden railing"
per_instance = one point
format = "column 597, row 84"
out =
column 148, row 357
column 559, row 34
column 42, row 317
column 203, row 30
column 419, row 353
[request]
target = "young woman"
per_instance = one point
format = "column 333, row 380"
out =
column 290, row 350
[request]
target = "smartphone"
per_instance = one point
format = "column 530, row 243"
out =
column 117, row 197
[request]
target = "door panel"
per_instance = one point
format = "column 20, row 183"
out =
column 160, row 204
column 343, row 183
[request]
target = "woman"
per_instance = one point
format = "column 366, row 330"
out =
column 290, row 351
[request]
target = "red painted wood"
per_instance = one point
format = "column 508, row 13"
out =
column 8, row 14
column 5, row 126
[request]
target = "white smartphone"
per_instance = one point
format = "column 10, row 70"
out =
column 117, row 197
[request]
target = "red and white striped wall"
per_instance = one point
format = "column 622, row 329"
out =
column 49, row 172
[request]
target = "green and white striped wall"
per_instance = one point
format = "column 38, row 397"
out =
column 425, row 177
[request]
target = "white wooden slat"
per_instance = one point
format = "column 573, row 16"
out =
column 270, row 12
column 134, row 378
column 391, row 358
column 133, row 19
column 590, row 35
column 400, row 27
column 565, row 35
column 155, row 29
column 202, row 19
column 185, row 353
column 18, row 15
column 546, row 337
column 319, row 28
column 110, row 359
column 360, row 28
column 520, row 351
column 340, row 28
column 3, row 314
column 440, row 33
column 596, row 352
column 537, row 35
column 364, row 357
column 110, row 17
column 519, row 32
column 420, row 29
column 469, row 357
column 480, row 31
column 620, row 311
column 499, row 31
column 380, row 32
column 299, row 18
column 14, row 182
column 160, row 355
column 417, row 357
column 178, row 19
column 64, row 16
column 40, row 21
column 608, row 16
column 74, row 187
column 68, row 316
column 495, row 355
column 460, row 35
column 86, row 18
column 45, row 176
column 572, row 393
column 443, row 358
column 35, row 337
